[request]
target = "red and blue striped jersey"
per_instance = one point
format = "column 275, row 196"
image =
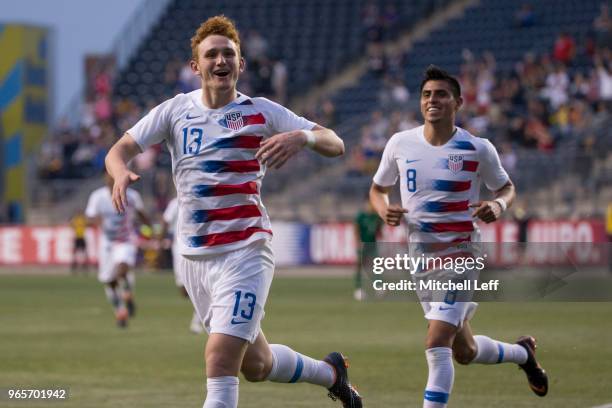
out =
column 217, row 177
column 115, row 227
column 437, row 183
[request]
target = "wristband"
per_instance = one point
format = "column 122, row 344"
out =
column 501, row 203
column 310, row 138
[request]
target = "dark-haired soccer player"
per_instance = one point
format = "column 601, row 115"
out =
column 440, row 167
column 117, row 247
column 221, row 143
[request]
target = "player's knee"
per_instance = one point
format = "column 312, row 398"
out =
column 220, row 365
column 254, row 371
column 439, row 340
column 465, row 355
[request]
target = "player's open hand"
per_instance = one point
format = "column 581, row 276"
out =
column 120, row 185
column 393, row 215
column 275, row 151
column 487, row 211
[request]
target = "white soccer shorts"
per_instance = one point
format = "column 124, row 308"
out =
column 443, row 306
column 454, row 314
column 112, row 254
column 229, row 291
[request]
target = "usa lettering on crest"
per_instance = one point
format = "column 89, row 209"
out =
column 455, row 162
column 234, row 120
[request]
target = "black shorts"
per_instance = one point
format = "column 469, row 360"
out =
column 79, row 243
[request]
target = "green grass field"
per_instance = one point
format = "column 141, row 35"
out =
column 58, row 331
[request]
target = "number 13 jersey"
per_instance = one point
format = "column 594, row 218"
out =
column 217, row 177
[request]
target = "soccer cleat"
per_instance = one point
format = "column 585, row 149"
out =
column 121, row 316
column 342, row 389
column 537, row 377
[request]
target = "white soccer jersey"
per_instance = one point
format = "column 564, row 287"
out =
column 217, row 177
column 115, row 227
column 437, row 183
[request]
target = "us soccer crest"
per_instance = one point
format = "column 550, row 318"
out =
column 455, row 162
column 234, row 120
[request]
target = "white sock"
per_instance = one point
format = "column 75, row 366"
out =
column 494, row 352
column 441, row 376
column 222, row 392
column 112, row 296
column 289, row 366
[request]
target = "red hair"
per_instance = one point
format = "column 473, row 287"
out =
column 217, row 25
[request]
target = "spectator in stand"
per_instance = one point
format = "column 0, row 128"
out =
column 389, row 22
column 376, row 59
column 187, row 81
column 564, row 49
column 604, row 78
column 393, row 93
column 408, row 121
column 255, row 46
column 371, row 23
column 508, row 158
column 327, row 116
column 485, row 80
column 279, row 81
column 580, row 88
column 394, row 63
column 602, row 26
column 261, row 80
column 525, row 16
column 557, row 87
column 371, row 149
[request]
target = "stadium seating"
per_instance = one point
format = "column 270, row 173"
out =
column 488, row 26
column 315, row 38
column 325, row 37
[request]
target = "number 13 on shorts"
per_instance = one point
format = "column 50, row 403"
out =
column 244, row 307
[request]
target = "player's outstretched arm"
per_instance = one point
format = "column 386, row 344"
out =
column 275, row 151
column 390, row 213
column 490, row 211
column 116, row 164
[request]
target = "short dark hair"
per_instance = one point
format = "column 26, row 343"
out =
column 434, row 73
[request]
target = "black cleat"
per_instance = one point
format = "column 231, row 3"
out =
column 342, row 389
column 538, row 380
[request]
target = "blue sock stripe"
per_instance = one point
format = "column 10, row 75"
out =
column 435, row 396
column 500, row 349
column 298, row 369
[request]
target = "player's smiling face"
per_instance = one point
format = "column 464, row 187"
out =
column 438, row 102
column 219, row 63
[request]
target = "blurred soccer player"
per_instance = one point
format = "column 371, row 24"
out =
column 117, row 249
column 79, row 250
column 169, row 220
column 440, row 167
column 367, row 226
column 221, row 143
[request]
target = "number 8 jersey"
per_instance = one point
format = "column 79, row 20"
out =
column 217, row 177
column 437, row 183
